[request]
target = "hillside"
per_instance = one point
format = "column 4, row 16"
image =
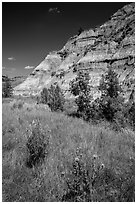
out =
column 79, row 161
column 113, row 43
column 15, row 81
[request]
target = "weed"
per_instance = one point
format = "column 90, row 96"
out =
column 78, row 185
column 36, row 145
column 60, row 158
column 17, row 104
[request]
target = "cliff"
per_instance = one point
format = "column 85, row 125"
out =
column 111, row 43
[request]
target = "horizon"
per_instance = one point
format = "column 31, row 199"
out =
column 45, row 27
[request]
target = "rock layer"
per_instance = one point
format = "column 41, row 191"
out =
column 92, row 50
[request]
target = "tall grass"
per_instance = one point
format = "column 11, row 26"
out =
column 77, row 156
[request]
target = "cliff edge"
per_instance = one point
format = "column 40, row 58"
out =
column 92, row 50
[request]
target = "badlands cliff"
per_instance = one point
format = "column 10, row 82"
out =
column 92, row 50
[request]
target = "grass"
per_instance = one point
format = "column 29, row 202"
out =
column 81, row 162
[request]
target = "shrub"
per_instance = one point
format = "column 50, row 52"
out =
column 128, row 114
column 70, row 107
column 96, row 113
column 110, row 101
column 62, row 74
column 98, row 183
column 7, row 90
column 56, row 98
column 53, row 73
column 17, row 104
column 53, row 97
column 132, row 114
column 80, row 87
column 36, row 145
column 74, row 68
column 80, row 30
column 63, row 54
column 111, row 105
column 78, row 185
column 44, row 96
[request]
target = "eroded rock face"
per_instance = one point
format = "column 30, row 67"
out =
column 112, row 43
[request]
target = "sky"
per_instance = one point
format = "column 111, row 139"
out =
column 30, row 30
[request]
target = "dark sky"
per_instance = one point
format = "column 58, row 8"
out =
column 31, row 30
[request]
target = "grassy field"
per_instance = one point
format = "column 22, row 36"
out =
column 52, row 157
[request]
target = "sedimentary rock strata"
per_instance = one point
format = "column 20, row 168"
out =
column 94, row 50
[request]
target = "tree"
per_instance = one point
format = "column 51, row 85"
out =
column 109, row 84
column 80, row 30
column 53, row 97
column 7, row 90
column 44, row 96
column 80, row 87
column 129, row 113
column 110, row 101
column 56, row 98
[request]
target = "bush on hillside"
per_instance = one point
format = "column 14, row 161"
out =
column 80, row 87
column 63, row 54
column 17, row 104
column 111, row 106
column 96, row 113
column 80, row 30
column 56, row 98
column 44, row 96
column 70, row 107
column 53, row 73
column 131, row 114
column 7, row 90
column 97, row 183
column 127, row 114
column 78, row 185
column 110, row 101
column 53, row 97
column 37, row 145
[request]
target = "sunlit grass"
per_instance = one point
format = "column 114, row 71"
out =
column 68, row 138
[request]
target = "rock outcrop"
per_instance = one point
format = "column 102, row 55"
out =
column 92, row 50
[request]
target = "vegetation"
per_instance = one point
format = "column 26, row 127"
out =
column 110, row 101
column 130, row 113
column 53, row 97
column 53, row 73
column 63, row 54
column 110, row 106
column 50, row 157
column 36, row 145
column 80, row 30
column 80, row 88
column 17, row 104
column 7, row 89
column 44, row 96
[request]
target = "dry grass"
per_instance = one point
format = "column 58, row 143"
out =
column 95, row 146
